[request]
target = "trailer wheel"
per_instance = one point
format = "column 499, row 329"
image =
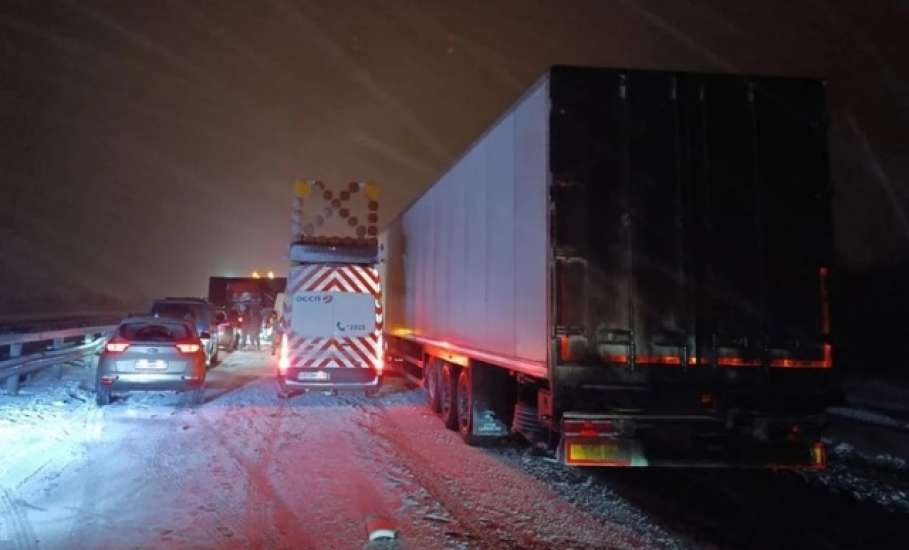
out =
column 448, row 395
column 465, row 407
column 431, row 383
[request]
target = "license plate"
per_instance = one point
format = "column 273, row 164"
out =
column 593, row 451
column 154, row 364
column 313, row 375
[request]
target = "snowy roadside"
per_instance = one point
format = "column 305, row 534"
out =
column 45, row 427
column 858, row 468
column 582, row 488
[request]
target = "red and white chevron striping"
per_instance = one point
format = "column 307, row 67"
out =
column 335, row 352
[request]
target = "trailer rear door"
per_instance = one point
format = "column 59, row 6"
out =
column 691, row 219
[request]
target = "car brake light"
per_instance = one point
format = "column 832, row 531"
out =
column 116, row 346
column 189, row 348
column 284, row 359
column 239, row 319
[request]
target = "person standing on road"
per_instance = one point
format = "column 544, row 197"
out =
column 252, row 325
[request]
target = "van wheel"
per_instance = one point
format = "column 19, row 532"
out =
column 431, row 383
column 465, row 407
column 448, row 396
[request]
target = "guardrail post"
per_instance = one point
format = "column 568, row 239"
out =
column 12, row 382
column 57, row 370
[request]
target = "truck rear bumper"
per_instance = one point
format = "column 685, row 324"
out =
column 704, row 441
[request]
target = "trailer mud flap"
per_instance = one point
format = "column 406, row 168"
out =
column 490, row 387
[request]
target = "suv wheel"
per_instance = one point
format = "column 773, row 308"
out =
column 102, row 395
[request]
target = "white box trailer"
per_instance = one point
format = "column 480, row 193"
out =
column 474, row 272
column 631, row 262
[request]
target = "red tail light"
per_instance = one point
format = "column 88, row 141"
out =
column 189, row 348
column 588, row 428
column 239, row 319
column 284, row 358
column 116, row 345
column 564, row 348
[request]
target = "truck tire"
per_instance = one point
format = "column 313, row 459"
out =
column 431, row 382
column 464, row 397
column 448, row 395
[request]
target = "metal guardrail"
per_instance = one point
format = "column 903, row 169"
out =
column 56, row 353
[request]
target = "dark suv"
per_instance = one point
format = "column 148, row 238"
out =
column 199, row 313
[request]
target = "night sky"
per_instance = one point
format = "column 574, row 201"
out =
column 146, row 145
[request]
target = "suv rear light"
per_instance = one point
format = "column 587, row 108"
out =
column 189, row 348
column 116, row 345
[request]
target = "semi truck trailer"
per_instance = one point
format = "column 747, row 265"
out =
column 631, row 267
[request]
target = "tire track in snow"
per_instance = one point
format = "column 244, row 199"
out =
column 263, row 498
column 14, row 523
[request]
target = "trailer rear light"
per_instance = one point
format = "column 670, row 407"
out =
column 189, row 348
column 588, row 428
column 825, row 363
column 284, row 358
column 819, row 455
column 622, row 359
column 732, row 361
column 564, row 348
column 116, row 345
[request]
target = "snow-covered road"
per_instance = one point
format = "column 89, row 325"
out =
column 249, row 470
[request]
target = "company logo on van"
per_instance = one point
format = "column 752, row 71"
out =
column 314, row 298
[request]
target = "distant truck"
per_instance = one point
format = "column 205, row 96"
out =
column 233, row 292
column 632, row 267
column 233, row 297
column 330, row 331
